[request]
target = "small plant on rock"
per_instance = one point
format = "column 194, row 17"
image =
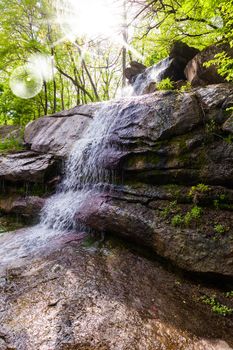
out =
column 200, row 188
column 216, row 307
column 165, row 84
column 229, row 294
column 220, row 229
column 229, row 139
column 196, row 212
column 171, row 207
column 177, row 220
column 186, row 87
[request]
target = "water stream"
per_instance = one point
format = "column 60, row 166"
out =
column 85, row 174
column 150, row 75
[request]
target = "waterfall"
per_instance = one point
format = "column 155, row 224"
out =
column 84, row 171
column 152, row 74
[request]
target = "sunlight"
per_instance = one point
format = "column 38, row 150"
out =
column 43, row 65
column 90, row 18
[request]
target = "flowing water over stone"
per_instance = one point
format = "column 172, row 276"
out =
column 85, row 175
column 59, row 295
column 84, row 171
column 151, row 75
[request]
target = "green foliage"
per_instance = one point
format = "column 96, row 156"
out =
column 172, row 206
column 229, row 139
column 92, row 71
column 211, row 127
column 165, row 84
column 192, row 215
column 11, row 143
column 186, row 87
column 196, row 212
column 229, row 294
column 216, row 307
column 177, row 220
column 224, row 65
column 2, row 229
column 220, row 229
column 200, row 188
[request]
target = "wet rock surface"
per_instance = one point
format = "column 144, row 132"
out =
column 57, row 293
column 171, row 155
column 29, row 206
column 178, row 140
column 191, row 243
column 134, row 69
column 27, row 166
column 56, row 134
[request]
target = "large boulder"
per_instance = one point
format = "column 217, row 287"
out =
column 27, row 166
column 57, row 133
column 26, row 206
column 134, row 69
column 228, row 125
column 183, row 52
column 171, row 139
column 148, row 220
column 57, row 294
column 196, row 72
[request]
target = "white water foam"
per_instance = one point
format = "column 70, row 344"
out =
column 150, row 75
column 84, row 173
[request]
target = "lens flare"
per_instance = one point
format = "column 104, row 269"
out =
column 25, row 82
column 43, row 65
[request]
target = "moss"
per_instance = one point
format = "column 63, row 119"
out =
column 141, row 161
column 174, row 190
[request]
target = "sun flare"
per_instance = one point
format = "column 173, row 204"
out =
column 90, row 18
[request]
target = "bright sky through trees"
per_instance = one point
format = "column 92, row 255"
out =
column 56, row 54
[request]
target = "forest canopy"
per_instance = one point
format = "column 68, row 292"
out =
column 69, row 52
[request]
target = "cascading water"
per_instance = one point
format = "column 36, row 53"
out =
column 150, row 75
column 84, row 173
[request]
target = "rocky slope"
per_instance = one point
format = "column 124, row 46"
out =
column 58, row 294
column 172, row 156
